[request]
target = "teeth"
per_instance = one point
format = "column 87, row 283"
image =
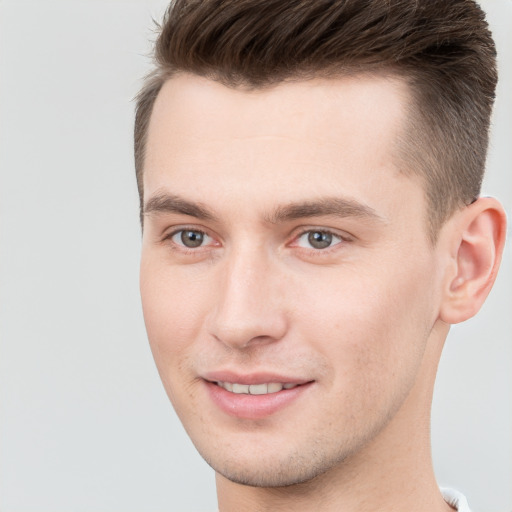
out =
column 240, row 388
column 258, row 389
column 274, row 387
column 255, row 389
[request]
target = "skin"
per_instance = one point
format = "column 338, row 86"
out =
column 363, row 321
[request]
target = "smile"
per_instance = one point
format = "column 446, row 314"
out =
column 255, row 399
column 255, row 389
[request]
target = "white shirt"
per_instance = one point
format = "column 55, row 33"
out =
column 455, row 499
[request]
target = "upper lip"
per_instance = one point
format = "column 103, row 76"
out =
column 252, row 378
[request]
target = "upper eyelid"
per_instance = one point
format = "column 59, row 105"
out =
column 327, row 231
column 167, row 240
column 170, row 232
column 176, row 231
column 344, row 235
column 298, row 237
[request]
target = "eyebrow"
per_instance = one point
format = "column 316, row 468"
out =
column 166, row 203
column 328, row 206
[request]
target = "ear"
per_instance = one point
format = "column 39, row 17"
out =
column 476, row 240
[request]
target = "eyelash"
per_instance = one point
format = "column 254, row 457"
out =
column 294, row 243
column 183, row 248
column 319, row 252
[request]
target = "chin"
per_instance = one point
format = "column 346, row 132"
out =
column 274, row 470
column 284, row 475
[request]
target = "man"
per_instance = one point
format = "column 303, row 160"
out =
column 309, row 174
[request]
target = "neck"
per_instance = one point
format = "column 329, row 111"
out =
column 393, row 472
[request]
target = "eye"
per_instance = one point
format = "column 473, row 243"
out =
column 190, row 238
column 317, row 239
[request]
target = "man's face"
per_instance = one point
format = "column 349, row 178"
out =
column 288, row 283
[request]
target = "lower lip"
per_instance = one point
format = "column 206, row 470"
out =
column 254, row 407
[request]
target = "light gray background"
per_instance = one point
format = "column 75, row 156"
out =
column 85, row 423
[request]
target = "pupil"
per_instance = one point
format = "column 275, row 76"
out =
column 192, row 238
column 319, row 240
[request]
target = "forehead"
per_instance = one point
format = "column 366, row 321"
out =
column 321, row 110
column 287, row 142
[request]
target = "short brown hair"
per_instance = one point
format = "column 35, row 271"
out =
column 442, row 48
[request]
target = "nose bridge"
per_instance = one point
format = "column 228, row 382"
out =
column 249, row 307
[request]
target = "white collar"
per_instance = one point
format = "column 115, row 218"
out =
column 455, row 499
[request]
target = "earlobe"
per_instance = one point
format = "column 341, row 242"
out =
column 477, row 241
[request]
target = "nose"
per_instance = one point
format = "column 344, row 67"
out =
column 249, row 306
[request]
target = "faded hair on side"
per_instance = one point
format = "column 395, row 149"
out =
column 442, row 49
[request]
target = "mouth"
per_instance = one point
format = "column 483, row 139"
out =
column 257, row 396
column 255, row 389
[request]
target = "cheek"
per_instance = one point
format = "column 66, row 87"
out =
column 373, row 327
column 174, row 307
